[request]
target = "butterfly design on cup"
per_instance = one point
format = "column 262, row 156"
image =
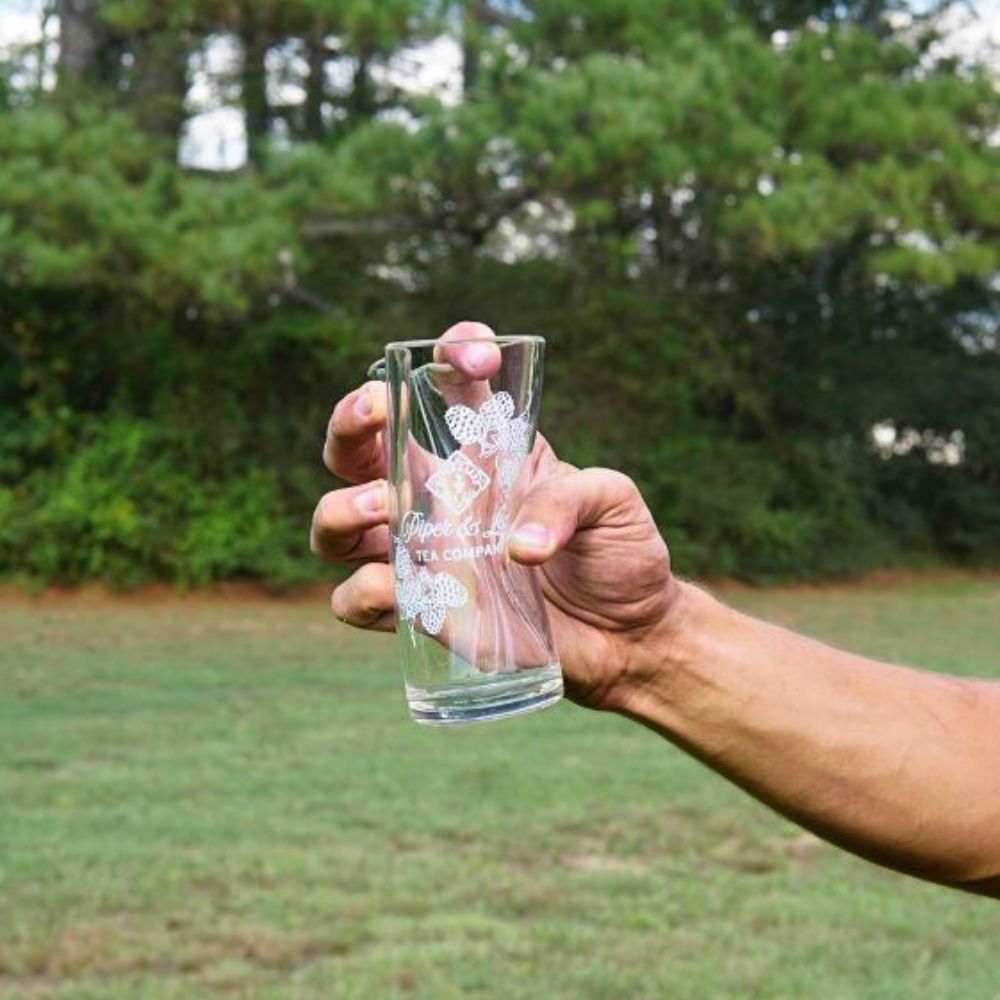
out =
column 493, row 427
column 423, row 596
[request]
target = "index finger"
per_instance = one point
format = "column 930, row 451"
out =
column 354, row 448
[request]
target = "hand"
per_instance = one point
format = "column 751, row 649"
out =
column 605, row 570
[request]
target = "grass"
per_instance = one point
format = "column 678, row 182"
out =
column 204, row 799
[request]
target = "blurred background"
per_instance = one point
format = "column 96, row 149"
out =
column 763, row 240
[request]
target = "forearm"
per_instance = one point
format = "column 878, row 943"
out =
column 897, row 765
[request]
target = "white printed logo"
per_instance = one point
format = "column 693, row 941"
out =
column 425, row 596
column 457, row 482
column 422, row 596
column 494, row 427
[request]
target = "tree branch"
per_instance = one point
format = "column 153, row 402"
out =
column 376, row 225
column 475, row 224
column 486, row 14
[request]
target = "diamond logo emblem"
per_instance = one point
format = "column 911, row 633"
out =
column 458, row 482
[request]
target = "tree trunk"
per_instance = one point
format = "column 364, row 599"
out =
column 158, row 84
column 315, row 84
column 256, row 111
column 80, row 43
column 471, row 42
column 361, row 103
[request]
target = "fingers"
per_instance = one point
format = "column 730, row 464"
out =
column 561, row 505
column 468, row 347
column 350, row 524
column 354, row 446
column 367, row 598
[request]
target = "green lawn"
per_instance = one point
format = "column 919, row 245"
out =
column 226, row 799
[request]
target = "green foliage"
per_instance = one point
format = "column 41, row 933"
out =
column 124, row 507
column 745, row 251
column 85, row 204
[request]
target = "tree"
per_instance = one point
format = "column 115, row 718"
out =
column 754, row 233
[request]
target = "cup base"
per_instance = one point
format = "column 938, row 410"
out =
column 503, row 698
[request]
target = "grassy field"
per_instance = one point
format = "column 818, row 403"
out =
column 204, row 799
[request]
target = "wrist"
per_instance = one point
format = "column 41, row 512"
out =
column 658, row 659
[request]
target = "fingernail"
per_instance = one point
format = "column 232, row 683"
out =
column 363, row 405
column 478, row 354
column 370, row 501
column 531, row 536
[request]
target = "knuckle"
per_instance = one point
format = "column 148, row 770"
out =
column 329, row 451
column 322, row 519
column 338, row 603
column 315, row 529
column 327, row 510
column 334, row 424
column 338, row 409
column 547, row 501
column 368, row 587
column 616, row 482
column 341, row 420
column 336, row 458
column 334, row 532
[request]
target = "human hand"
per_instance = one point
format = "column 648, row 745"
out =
column 604, row 569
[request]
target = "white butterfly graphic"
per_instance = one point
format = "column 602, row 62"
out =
column 423, row 595
column 493, row 427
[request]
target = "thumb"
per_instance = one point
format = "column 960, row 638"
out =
column 556, row 508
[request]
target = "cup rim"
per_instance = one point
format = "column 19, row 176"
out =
column 502, row 340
